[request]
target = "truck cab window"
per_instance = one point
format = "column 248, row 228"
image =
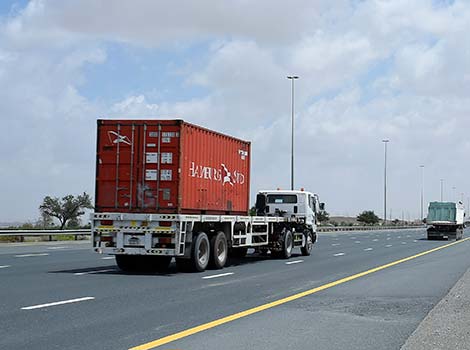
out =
column 282, row 199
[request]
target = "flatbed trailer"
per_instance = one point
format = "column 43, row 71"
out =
column 137, row 238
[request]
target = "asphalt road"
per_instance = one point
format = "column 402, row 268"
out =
column 103, row 308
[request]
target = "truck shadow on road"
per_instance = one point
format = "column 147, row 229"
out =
column 114, row 270
column 170, row 271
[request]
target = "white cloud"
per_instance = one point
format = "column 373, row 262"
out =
column 369, row 70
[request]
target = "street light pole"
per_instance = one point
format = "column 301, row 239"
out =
column 385, row 180
column 442, row 190
column 422, row 190
column 292, row 78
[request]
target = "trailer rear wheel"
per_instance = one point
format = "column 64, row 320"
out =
column 161, row 263
column 219, row 248
column 200, row 253
column 306, row 249
column 127, row 262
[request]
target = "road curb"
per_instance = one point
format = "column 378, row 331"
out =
column 447, row 326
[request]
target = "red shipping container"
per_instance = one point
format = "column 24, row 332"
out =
column 170, row 166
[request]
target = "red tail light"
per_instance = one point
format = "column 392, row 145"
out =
column 107, row 222
column 165, row 223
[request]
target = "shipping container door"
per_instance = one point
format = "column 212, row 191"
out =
column 158, row 188
column 116, row 173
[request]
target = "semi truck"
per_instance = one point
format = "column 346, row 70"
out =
column 445, row 220
column 170, row 189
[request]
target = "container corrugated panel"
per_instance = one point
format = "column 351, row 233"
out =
column 170, row 166
column 441, row 211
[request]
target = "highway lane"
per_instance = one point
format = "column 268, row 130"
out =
column 128, row 310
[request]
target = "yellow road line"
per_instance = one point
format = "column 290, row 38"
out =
column 233, row 317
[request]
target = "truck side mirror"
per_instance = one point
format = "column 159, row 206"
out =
column 322, row 206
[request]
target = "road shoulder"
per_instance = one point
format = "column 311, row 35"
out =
column 447, row 326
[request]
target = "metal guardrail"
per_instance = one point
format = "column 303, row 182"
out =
column 40, row 233
column 363, row 228
column 87, row 232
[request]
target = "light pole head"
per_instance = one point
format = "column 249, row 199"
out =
column 292, row 77
column 385, row 140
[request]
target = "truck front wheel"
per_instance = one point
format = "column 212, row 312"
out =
column 219, row 249
column 306, row 249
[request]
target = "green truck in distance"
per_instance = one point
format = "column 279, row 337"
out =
column 445, row 220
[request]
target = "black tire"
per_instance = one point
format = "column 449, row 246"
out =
column 161, row 263
column 287, row 245
column 219, row 251
column 306, row 249
column 127, row 262
column 200, row 253
column 238, row 252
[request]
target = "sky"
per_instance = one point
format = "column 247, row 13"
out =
column 369, row 70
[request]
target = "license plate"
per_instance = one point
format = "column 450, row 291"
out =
column 134, row 241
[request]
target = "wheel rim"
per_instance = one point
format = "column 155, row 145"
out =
column 221, row 251
column 288, row 243
column 309, row 244
column 203, row 253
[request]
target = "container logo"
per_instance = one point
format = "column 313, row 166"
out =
column 223, row 174
column 114, row 137
column 243, row 154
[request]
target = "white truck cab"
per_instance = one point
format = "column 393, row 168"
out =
column 289, row 203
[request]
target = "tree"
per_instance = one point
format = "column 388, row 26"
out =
column 69, row 208
column 368, row 217
column 45, row 221
column 323, row 216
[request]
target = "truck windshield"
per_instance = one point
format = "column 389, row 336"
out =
column 282, row 198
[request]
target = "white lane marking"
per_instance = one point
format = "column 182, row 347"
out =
column 408, row 236
column 388, row 238
column 52, row 248
column 335, row 244
column 368, row 249
column 294, row 262
column 4, row 266
column 57, row 303
column 28, row 255
column 399, row 237
column 415, row 241
column 219, row 275
column 90, row 272
column 403, row 242
column 375, row 240
column 357, row 242
column 338, row 254
column 388, row 246
column 108, row 258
